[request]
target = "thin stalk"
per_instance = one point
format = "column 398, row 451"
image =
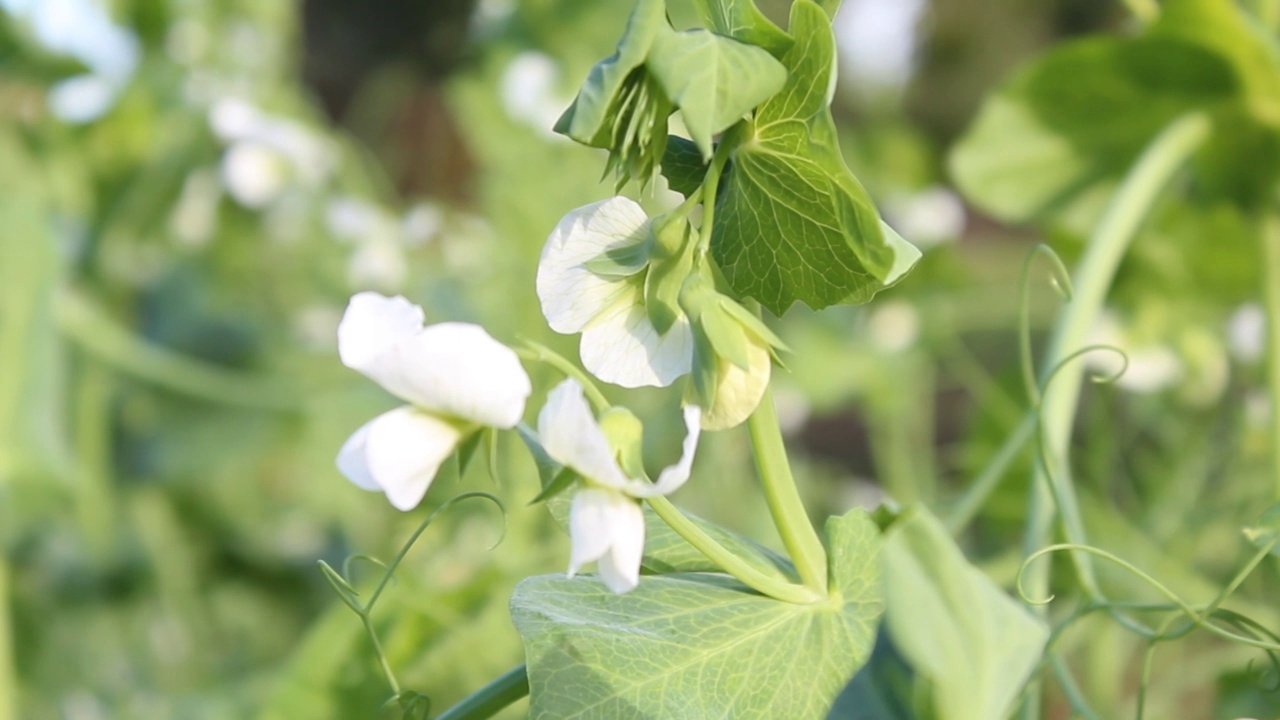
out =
column 1128, row 208
column 780, row 492
column 537, row 352
column 710, row 187
column 95, row 502
column 1271, row 296
column 728, row 561
column 104, row 339
column 976, row 496
column 8, row 668
column 488, row 700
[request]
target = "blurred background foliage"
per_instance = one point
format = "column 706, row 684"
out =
column 190, row 190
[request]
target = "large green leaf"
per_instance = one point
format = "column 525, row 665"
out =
column 697, row 645
column 1085, row 110
column 713, row 79
column 957, row 629
column 792, row 223
column 741, row 19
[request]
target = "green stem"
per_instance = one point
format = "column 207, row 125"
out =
column 1271, row 296
column 728, row 561
column 974, row 498
column 710, row 187
column 780, row 492
column 95, row 504
column 377, row 650
column 537, row 352
column 1128, row 208
column 8, row 669
column 488, row 700
column 100, row 336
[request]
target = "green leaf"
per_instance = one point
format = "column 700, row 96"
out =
column 741, row 19
column 1225, row 29
column 884, row 689
column 697, row 645
column 683, row 166
column 713, row 79
column 619, row 107
column 976, row 645
column 791, row 222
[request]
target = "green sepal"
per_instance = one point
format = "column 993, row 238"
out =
column 466, row 451
column 622, row 261
column 619, row 107
column 714, row 80
column 626, row 436
column 683, row 166
column 562, row 481
column 742, row 20
column 669, row 266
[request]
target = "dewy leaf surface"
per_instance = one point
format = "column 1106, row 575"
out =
column 792, row 223
column 697, row 646
column 713, row 79
column 953, row 625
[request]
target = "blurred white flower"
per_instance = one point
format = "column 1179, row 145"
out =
column 254, row 174
column 606, row 523
column 1151, row 368
column 877, row 41
column 1247, row 332
column 82, row 29
column 267, row 154
column 893, row 326
column 931, row 216
column 422, row 223
column 528, row 91
column 379, row 258
column 619, row 343
column 455, row 377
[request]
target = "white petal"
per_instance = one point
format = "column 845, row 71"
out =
column 670, row 479
column 572, row 295
column 352, row 462
column 589, row 527
column 609, row 527
column 620, row 567
column 739, row 391
column 624, row 348
column 571, row 436
column 458, row 370
column 372, row 325
column 403, row 450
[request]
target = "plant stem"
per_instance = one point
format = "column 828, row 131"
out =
column 727, row 560
column 1271, row 296
column 1106, row 247
column 8, row 669
column 488, row 700
column 710, row 187
column 104, row 339
column 974, row 498
column 780, row 492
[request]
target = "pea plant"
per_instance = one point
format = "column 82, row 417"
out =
column 871, row 614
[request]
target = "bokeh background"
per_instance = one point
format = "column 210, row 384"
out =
column 190, row 190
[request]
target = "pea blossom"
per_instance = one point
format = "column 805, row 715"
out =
column 455, row 378
column 619, row 344
column 606, row 523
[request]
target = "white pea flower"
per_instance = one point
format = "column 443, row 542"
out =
column 455, row 377
column 620, row 344
column 606, row 523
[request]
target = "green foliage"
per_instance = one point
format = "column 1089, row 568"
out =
column 741, row 19
column 957, row 629
column 650, row 653
column 792, row 223
column 714, row 80
column 1082, row 112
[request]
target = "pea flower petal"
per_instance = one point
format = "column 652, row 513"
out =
column 455, row 377
column 620, row 345
column 607, row 527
